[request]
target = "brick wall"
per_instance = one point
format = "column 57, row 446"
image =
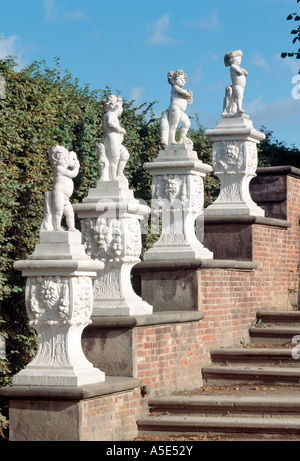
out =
column 169, row 357
column 111, row 417
column 231, row 298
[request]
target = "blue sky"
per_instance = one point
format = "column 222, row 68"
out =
column 131, row 45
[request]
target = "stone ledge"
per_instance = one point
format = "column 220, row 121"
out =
column 243, row 219
column 193, row 264
column 278, row 170
column 156, row 318
column 111, row 385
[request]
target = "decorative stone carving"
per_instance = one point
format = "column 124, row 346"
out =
column 59, row 303
column 234, row 94
column 235, row 162
column 59, row 291
column 112, row 155
column 57, row 204
column 177, row 199
column 175, row 114
column 234, row 148
column 111, row 233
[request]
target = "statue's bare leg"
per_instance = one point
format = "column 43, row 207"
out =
column 174, row 117
column 239, row 93
column 185, row 126
column 70, row 218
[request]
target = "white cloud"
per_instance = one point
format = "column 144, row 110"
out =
column 280, row 115
column 159, row 32
column 11, row 46
column 196, row 77
column 281, row 110
column 54, row 12
column 76, row 15
column 51, row 10
column 136, row 94
column 292, row 64
column 8, row 46
column 210, row 23
column 259, row 61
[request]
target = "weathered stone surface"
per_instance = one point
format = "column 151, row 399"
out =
column 235, row 163
column 59, row 303
column 178, row 201
column 111, row 231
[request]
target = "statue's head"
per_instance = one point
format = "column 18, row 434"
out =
column 177, row 77
column 61, row 155
column 229, row 57
column 112, row 102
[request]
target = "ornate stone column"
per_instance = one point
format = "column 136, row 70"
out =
column 59, row 290
column 234, row 161
column 178, row 200
column 111, row 219
column 234, row 147
column 111, row 230
column 59, row 303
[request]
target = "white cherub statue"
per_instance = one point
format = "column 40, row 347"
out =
column 112, row 155
column 234, row 94
column 57, row 204
column 175, row 114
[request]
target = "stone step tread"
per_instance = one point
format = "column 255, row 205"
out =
column 183, row 423
column 278, row 315
column 292, row 401
column 276, row 330
column 256, row 357
column 234, row 368
column 252, row 351
column 239, row 373
column 251, row 404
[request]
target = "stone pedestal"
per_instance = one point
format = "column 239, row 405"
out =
column 177, row 199
column 111, row 231
column 234, row 162
column 59, row 303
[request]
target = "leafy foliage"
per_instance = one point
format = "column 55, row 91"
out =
column 43, row 108
column 274, row 153
column 203, row 147
column 296, row 32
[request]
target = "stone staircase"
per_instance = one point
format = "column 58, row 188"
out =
column 249, row 393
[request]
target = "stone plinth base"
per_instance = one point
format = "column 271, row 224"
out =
column 59, row 303
column 142, row 356
column 234, row 237
column 177, row 201
column 150, row 347
column 111, row 231
column 174, row 285
column 271, row 187
column 234, row 162
column 86, row 413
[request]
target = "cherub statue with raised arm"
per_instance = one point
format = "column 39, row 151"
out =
column 234, row 94
column 57, row 203
column 112, row 155
column 175, row 114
